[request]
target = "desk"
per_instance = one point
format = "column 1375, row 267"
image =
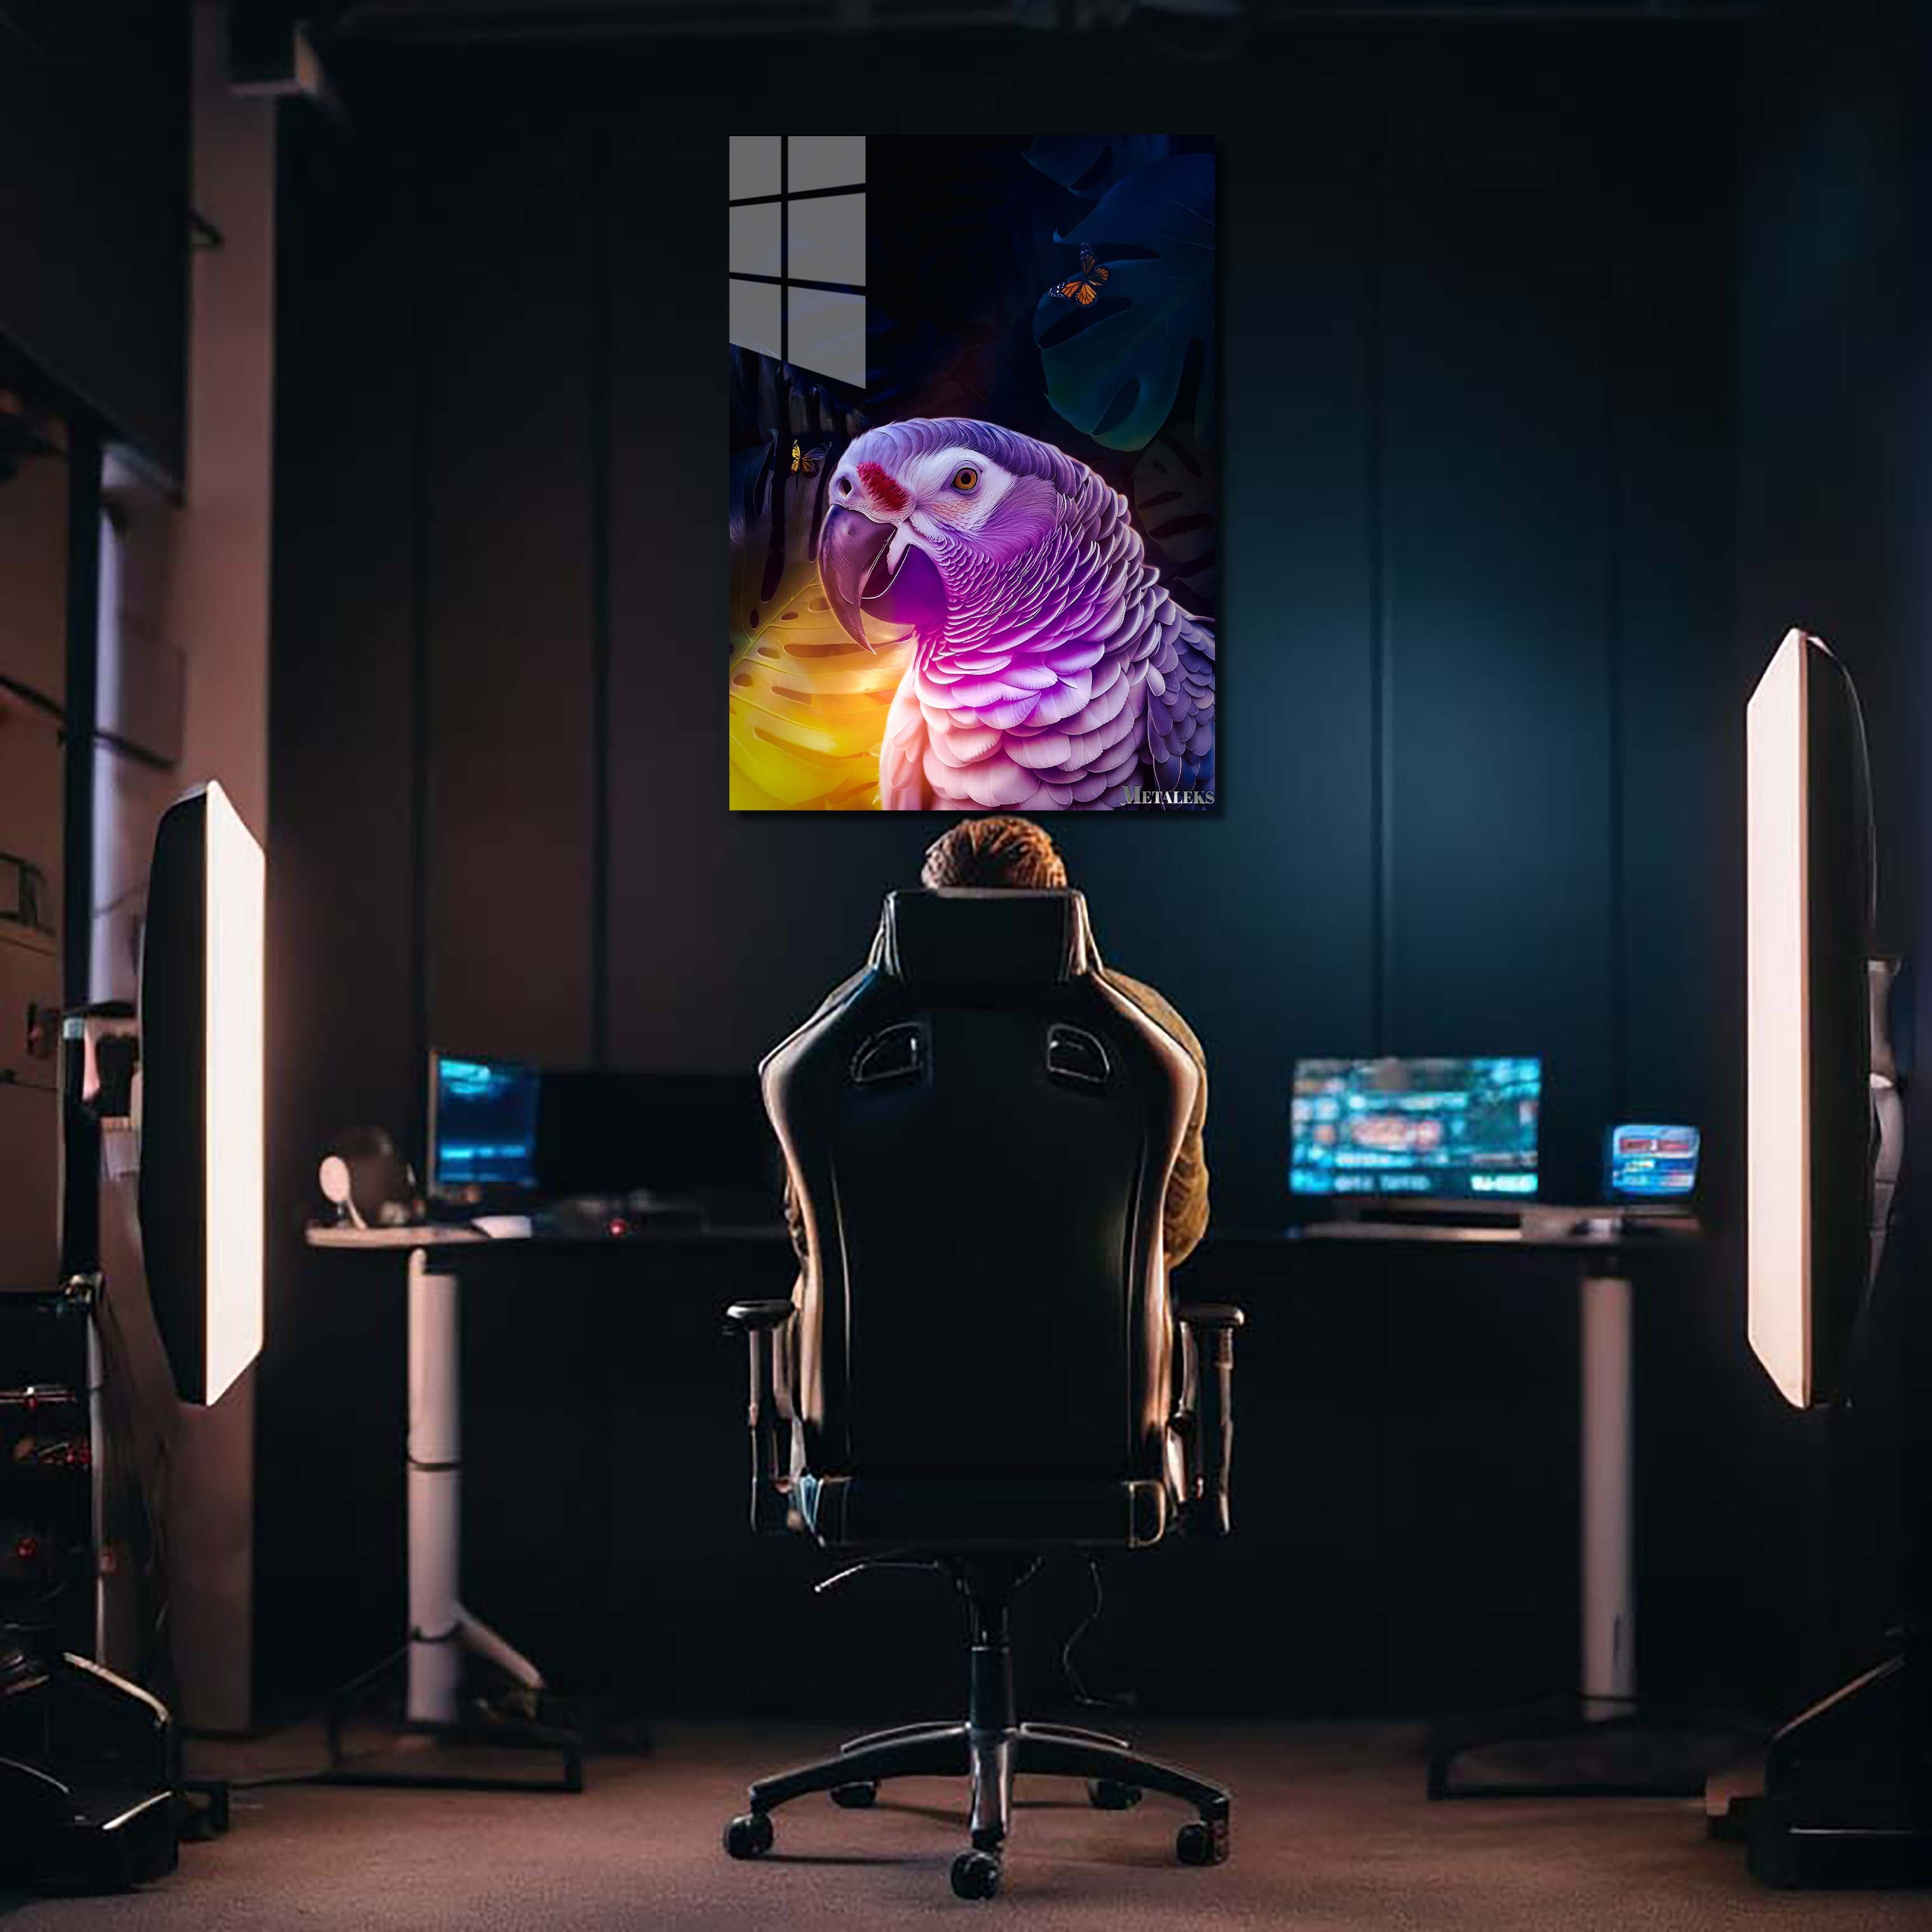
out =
column 1604, row 1244
column 440, row 1631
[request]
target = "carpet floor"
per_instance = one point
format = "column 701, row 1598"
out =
column 1331, row 1830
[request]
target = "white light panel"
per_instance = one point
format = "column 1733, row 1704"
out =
column 233, row 1072
column 1778, row 1057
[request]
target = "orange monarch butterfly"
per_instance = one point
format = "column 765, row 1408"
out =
column 806, row 461
column 1085, row 286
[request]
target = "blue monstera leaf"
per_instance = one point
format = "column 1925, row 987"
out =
column 1114, row 365
column 1089, row 164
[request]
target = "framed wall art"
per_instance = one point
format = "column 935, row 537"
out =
column 972, row 473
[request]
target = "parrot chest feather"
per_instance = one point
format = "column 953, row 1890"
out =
column 1055, row 725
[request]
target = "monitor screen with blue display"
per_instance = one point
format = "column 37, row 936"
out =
column 483, row 1126
column 1649, row 1163
column 1454, row 1129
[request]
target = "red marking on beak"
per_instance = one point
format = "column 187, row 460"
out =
column 882, row 488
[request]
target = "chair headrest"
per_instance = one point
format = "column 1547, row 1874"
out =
column 968, row 936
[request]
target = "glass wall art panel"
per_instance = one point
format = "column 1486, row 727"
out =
column 973, row 478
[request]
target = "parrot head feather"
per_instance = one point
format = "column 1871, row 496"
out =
column 934, row 522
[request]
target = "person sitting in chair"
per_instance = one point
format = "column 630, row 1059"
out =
column 1012, row 854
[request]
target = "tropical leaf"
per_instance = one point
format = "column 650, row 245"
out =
column 751, row 484
column 775, row 513
column 1114, row 367
column 1089, row 164
column 1171, row 490
column 788, row 434
column 808, row 705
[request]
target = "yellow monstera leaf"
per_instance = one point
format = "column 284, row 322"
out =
column 808, row 705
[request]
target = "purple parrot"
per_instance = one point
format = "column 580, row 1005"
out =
column 1051, row 670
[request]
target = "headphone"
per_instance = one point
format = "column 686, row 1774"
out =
column 369, row 1184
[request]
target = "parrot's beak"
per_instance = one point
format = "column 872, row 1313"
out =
column 850, row 547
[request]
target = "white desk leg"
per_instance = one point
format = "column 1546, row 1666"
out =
column 1609, row 1603
column 440, row 1629
column 435, row 1480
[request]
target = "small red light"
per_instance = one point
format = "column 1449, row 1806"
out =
column 619, row 1226
column 26, row 1548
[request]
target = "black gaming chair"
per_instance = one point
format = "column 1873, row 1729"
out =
column 982, row 1364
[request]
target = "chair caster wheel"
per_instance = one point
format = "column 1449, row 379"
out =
column 976, row 1874
column 749, row 1836
column 1202, row 1841
column 855, row 1797
column 1109, row 1794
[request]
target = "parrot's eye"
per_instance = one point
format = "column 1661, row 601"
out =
column 845, row 486
column 966, row 478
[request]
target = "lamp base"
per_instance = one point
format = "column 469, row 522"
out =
column 88, row 1791
column 1847, row 1795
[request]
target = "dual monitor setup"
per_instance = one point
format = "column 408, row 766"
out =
column 1444, row 1131
column 505, row 1136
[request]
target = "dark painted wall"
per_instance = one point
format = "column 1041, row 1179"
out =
column 1484, row 672
column 93, row 208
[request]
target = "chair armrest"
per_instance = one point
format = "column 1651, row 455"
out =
column 1209, row 1327
column 744, row 1318
column 1204, row 1315
column 763, row 1325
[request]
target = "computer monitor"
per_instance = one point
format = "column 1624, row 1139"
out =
column 1810, row 897
column 201, row 1029
column 1437, row 1129
column 482, row 1129
column 607, row 1131
column 1646, row 1163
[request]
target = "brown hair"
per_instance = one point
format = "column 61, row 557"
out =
column 1014, row 854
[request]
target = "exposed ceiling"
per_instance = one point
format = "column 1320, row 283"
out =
column 593, row 19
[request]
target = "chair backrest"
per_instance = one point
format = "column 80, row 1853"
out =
column 980, row 1135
